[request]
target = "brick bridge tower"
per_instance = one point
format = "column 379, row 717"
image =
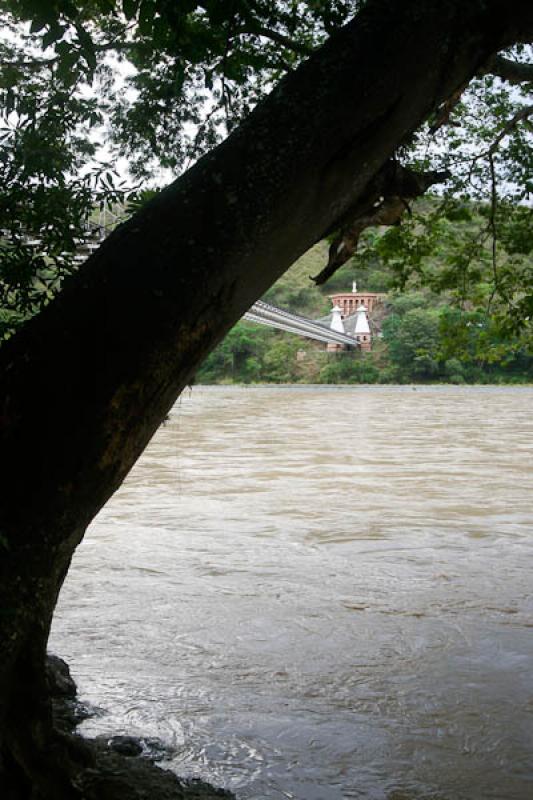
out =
column 349, row 302
column 350, row 311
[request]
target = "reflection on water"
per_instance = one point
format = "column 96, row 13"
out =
column 320, row 594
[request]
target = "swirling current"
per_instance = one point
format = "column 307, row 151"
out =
column 320, row 594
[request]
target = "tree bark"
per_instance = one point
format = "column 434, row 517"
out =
column 86, row 383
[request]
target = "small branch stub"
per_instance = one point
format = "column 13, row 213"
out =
column 385, row 202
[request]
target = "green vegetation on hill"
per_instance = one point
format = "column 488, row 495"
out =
column 432, row 329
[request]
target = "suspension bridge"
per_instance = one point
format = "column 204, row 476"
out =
column 266, row 314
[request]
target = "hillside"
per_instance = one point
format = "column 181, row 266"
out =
column 429, row 333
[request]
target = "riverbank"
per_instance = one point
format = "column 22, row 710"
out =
column 255, row 354
column 118, row 767
column 397, row 387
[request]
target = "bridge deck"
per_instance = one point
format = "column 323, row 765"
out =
column 266, row 314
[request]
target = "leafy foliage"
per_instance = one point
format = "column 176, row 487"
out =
column 156, row 81
column 486, row 144
column 49, row 178
column 427, row 335
column 160, row 83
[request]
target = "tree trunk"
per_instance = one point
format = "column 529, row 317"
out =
column 87, row 382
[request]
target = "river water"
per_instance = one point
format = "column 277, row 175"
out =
column 320, row 593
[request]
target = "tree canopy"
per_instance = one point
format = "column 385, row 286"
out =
column 160, row 83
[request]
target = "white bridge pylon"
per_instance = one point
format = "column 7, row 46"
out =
column 265, row 314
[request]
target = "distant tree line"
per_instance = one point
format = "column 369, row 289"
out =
column 432, row 327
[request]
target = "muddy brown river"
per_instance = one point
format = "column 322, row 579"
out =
column 320, row 594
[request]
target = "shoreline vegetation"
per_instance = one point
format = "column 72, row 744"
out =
column 333, row 386
column 419, row 336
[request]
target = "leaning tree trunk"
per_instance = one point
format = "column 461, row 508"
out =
column 86, row 383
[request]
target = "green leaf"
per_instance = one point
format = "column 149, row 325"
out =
column 52, row 35
column 87, row 46
column 146, row 16
column 38, row 23
column 130, row 8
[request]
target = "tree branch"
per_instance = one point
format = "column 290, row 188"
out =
column 492, row 228
column 520, row 115
column 442, row 116
column 385, row 203
column 510, row 71
column 274, row 36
